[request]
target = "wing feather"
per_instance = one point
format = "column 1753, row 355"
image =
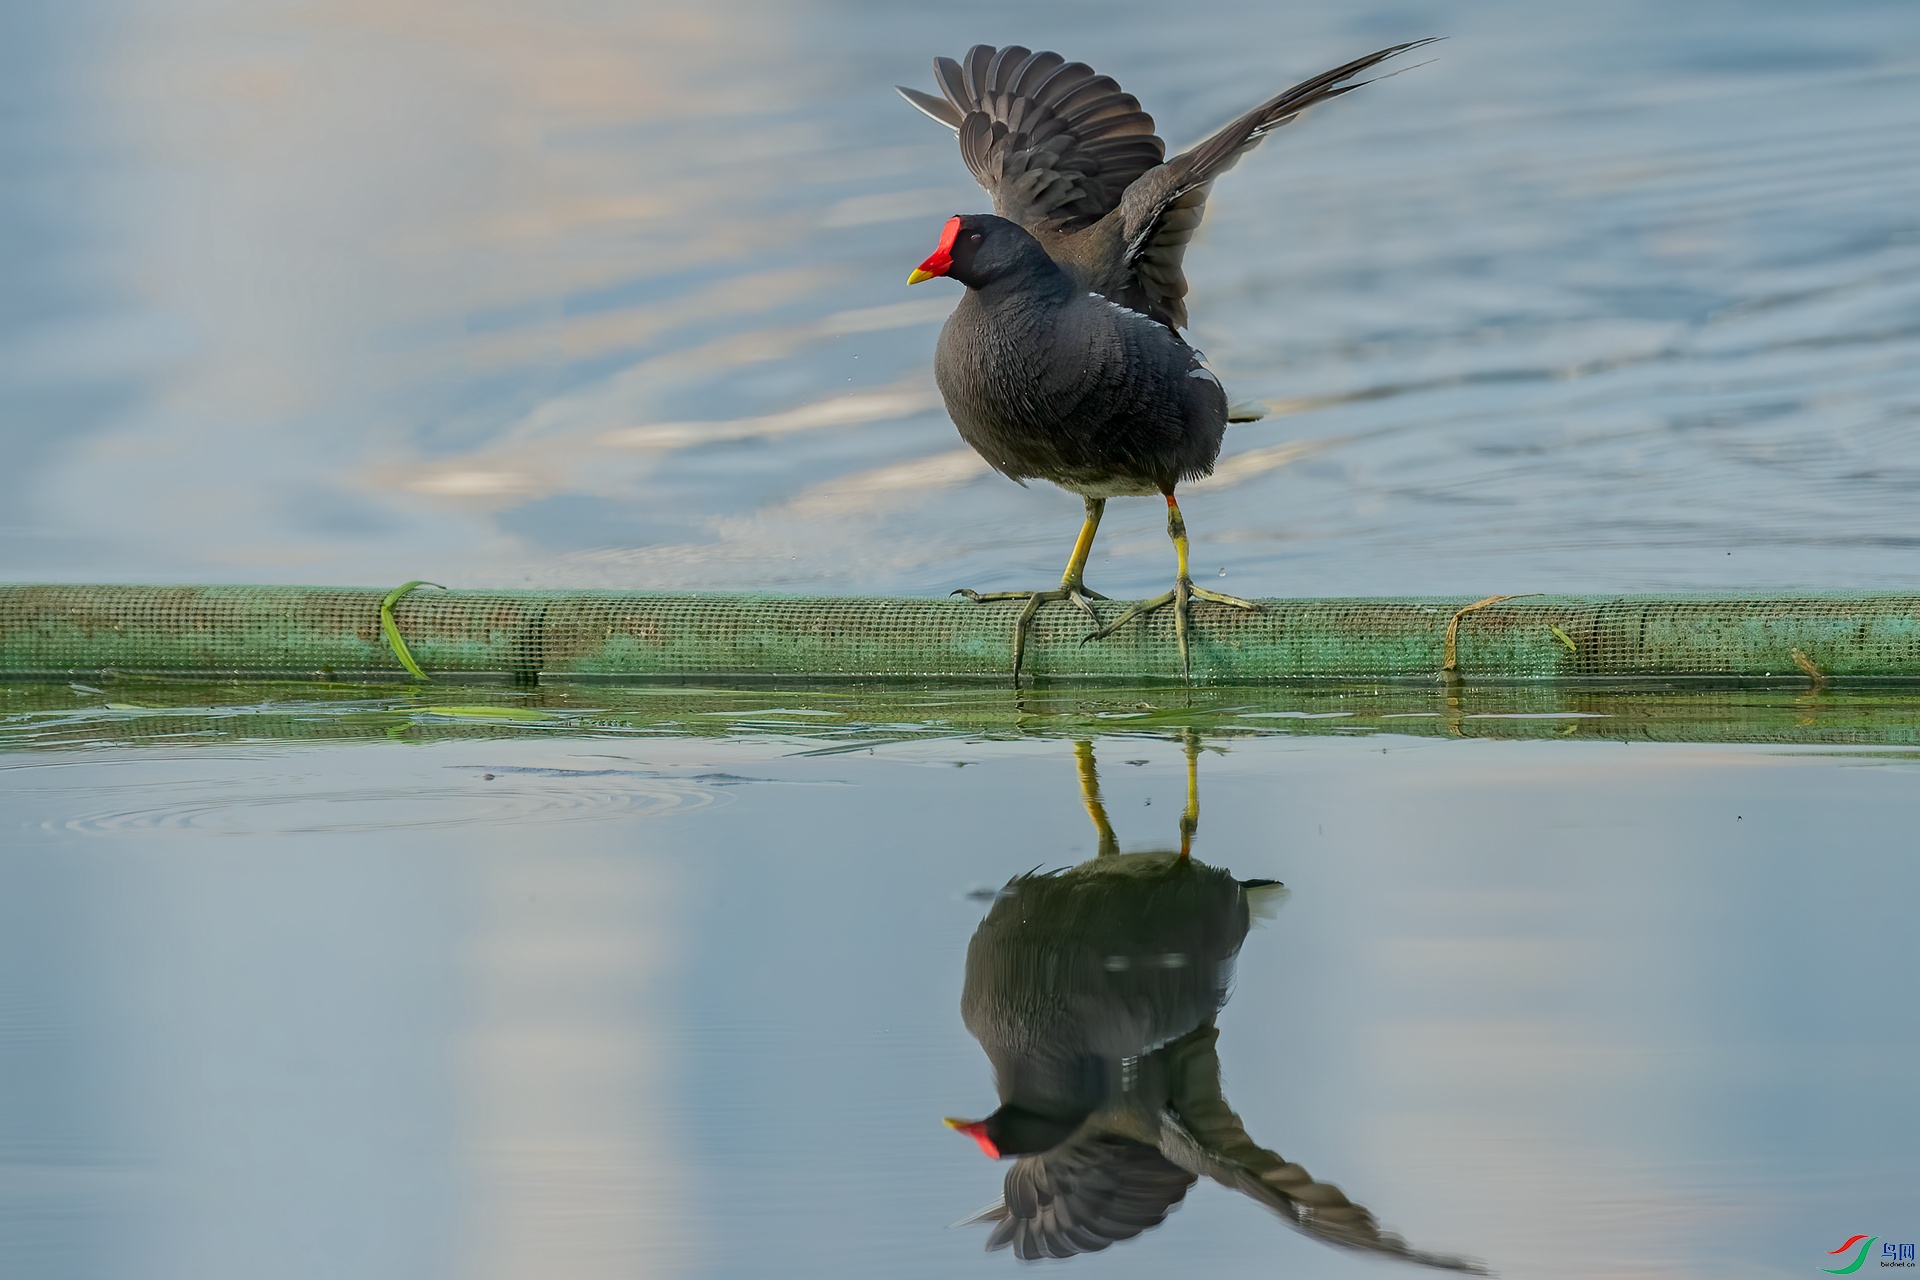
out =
column 1032, row 73
column 1204, row 1125
column 1161, row 209
column 937, row 108
column 1061, row 148
column 1083, row 1195
column 1056, row 144
column 975, row 65
column 1002, row 64
column 953, row 82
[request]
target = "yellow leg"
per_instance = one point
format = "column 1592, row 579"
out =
column 1072, row 587
column 1177, row 530
column 1190, row 820
column 1090, row 797
column 1083, row 546
column 1183, row 591
column 1182, row 583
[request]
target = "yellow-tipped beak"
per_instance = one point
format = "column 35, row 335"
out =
column 919, row 275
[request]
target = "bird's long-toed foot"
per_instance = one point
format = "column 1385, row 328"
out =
column 1183, row 593
column 1071, row 588
column 1181, row 597
column 1076, row 594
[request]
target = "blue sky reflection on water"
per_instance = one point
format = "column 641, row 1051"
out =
column 690, row 1007
column 1614, row 298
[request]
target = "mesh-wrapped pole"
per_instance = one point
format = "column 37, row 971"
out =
column 336, row 631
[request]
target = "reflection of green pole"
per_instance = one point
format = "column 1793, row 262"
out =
column 395, row 640
column 1859, row 1260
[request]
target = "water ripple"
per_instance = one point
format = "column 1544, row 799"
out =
column 491, row 797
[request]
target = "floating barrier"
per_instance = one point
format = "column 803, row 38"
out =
column 528, row 637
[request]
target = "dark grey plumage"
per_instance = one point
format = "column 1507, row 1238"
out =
column 1093, row 992
column 1076, row 983
column 1049, row 381
column 1072, row 158
column 1063, row 362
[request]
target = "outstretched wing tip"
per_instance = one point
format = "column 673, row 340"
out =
column 1164, row 206
column 995, row 1212
column 1450, row 1262
column 938, row 109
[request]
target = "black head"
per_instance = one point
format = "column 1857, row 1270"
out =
column 978, row 249
column 1015, row 1131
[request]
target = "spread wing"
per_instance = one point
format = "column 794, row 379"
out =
column 1083, row 1195
column 1161, row 211
column 1206, row 1131
column 1053, row 142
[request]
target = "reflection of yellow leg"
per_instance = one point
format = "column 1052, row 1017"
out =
column 1190, row 820
column 1183, row 591
column 1090, row 796
column 1072, row 587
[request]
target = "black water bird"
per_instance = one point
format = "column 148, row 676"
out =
column 1064, row 362
column 1094, row 992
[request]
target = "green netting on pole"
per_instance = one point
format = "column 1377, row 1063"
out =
column 333, row 632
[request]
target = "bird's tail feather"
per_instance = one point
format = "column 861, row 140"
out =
column 1264, row 900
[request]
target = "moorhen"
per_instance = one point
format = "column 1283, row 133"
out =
column 1063, row 362
column 1094, row 992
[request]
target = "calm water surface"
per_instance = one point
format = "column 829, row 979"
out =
column 1604, row 297
column 612, row 984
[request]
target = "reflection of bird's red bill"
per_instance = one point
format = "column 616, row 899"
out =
column 940, row 261
column 976, row 1129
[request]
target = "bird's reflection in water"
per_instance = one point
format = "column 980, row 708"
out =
column 1094, row 991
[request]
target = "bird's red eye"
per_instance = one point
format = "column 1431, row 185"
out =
column 975, row 237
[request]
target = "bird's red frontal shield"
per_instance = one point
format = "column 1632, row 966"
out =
column 976, row 1129
column 940, row 261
